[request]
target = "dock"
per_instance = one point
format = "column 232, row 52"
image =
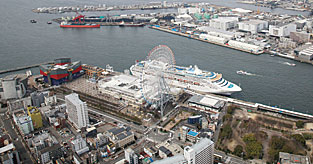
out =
column 260, row 107
column 203, row 40
column 23, row 67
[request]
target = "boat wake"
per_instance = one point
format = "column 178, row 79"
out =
column 241, row 72
column 289, row 64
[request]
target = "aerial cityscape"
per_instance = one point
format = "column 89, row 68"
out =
column 161, row 82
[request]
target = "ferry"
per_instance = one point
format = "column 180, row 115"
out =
column 191, row 78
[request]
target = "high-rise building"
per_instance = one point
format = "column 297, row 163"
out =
column 35, row 115
column 200, row 153
column 77, row 111
column 130, row 156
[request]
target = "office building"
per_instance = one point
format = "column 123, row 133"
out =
column 130, row 156
column 282, row 30
column 224, row 23
column 79, row 145
column 18, row 104
column 200, row 153
column 23, row 121
column 253, row 26
column 121, row 136
column 13, row 86
column 77, row 111
column 35, row 114
column 38, row 98
column 192, row 136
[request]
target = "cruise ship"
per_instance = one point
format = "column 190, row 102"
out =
column 191, row 78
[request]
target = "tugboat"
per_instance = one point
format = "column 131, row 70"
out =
column 33, row 21
column 78, row 22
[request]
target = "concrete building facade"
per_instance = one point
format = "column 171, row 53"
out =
column 130, row 156
column 282, row 30
column 77, row 111
column 224, row 23
column 200, row 153
column 253, row 26
column 13, row 86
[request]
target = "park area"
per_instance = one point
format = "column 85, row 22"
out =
column 252, row 135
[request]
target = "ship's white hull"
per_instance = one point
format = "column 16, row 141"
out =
column 203, row 88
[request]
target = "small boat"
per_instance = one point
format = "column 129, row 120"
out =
column 241, row 72
column 272, row 55
column 33, row 21
column 49, row 22
column 290, row 64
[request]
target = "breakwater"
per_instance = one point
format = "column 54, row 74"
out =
column 23, row 67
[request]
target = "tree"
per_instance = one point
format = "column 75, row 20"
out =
column 300, row 124
column 226, row 131
column 238, row 150
column 253, row 146
column 300, row 139
column 277, row 143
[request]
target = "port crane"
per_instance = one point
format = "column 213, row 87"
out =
column 80, row 18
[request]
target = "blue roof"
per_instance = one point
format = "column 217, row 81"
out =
column 192, row 133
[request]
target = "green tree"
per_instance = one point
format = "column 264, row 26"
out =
column 277, row 143
column 300, row 124
column 238, row 150
column 253, row 146
column 300, row 139
column 226, row 131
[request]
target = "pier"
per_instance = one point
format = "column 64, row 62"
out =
column 260, row 107
column 203, row 40
column 23, row 67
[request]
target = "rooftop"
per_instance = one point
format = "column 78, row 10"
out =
column 177, row 159
column 165, row 150
column 73, row 98
column 253, row 21
column 192, row 133
column 286, row 158
column 206, row 101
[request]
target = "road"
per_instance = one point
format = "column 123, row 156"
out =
column 138, row 128
column 24, row 153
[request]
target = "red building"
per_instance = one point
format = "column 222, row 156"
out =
column 63, row 70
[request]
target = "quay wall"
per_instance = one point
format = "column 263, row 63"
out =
column 203, row 40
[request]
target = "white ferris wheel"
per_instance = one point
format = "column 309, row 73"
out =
column 154, row 88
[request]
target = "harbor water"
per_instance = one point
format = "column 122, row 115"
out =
column 23, row 43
